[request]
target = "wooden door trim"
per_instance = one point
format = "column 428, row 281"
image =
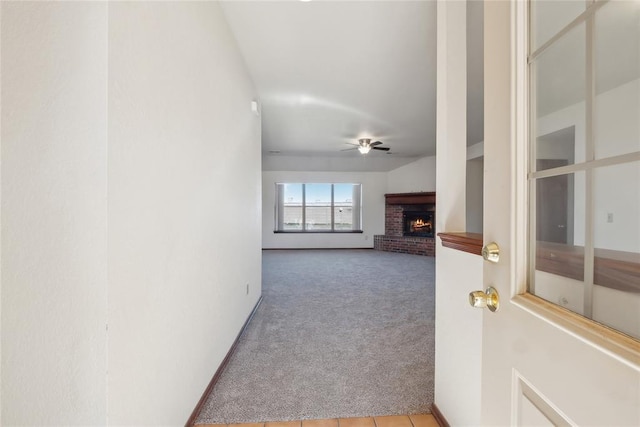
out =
column 466, row 242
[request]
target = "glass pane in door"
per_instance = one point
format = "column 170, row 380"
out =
column 559, row 95
column 585, row 133
column 559, row 227
column 549, row 17
column 616, row 234
column 617, row 79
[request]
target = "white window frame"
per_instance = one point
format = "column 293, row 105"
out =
column 356, row 206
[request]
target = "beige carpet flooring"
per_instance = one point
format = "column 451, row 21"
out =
column 340, row 333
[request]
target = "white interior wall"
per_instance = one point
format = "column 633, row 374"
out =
column 54, row 213
column 476, row 150
column 458, row 327
column 415, row 177
column 552, row 148
column 374, row 186
column 616, row 193
column 475, row 192
column 373, row 162
column 128, row 146
column 617, row 131
column 475, row 187
column 458, row 363
column 184, row 205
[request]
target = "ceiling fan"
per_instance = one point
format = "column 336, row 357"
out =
column 365, row 145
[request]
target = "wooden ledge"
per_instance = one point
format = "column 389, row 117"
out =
column 467, row 242
column 423, row 198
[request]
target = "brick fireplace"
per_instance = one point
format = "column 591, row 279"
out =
column 409, row 224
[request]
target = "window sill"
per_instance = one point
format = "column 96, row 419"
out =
column 317, row 231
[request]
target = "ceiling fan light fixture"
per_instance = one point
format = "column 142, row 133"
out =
column 364, row 149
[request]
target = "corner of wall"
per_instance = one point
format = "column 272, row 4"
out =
column 416, row 176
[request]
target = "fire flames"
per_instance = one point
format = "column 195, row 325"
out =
column 419, row 223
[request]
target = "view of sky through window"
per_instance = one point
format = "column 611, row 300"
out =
column 324, row 207
column 317, row 192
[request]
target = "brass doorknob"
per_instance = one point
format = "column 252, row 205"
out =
column 482, row 299
column 491, row 252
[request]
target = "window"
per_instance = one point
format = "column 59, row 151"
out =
column 584, row 168
column 318, row 207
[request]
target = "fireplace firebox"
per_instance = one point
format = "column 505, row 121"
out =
column 419, row 224
column 409, row 224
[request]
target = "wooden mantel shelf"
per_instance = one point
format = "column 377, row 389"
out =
column 424, row 198
column 467, row 242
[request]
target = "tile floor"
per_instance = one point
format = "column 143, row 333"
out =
column 387, row 421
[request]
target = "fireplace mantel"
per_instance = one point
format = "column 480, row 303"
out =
column 423, row 198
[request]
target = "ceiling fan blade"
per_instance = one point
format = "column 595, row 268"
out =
column 351, row 143
column 349, row 149
column 381, row 148
column 375, row 143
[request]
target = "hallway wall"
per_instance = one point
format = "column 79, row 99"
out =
column 184, row 205
column 458, row 327
column 54, row 213
column 128, row 149
column 415, row 177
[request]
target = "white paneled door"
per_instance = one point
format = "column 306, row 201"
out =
column 541, row 363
